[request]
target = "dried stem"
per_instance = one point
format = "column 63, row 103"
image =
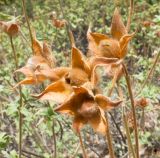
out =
column 149, row 74
column 82, row 145
column 75, row 153
column 27, row 20
column 20, row 101
column 54, row 140
column 119, row 130
column 143, row 120
column 31, row 153
column 130, row 15
column 133, row 109
column 109, row 139
column 39, row 139
column 131, row 149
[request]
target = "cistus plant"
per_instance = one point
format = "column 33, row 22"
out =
column 75, row 89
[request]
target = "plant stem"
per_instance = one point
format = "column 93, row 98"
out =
column 40, row 139
column 109, row 139
column 75, row 153
column 131, row 149
column 119, row 130
column 133, row 109
column 149, row 74
column 54, row 140
column 130, row 15
column 31, row 153
column 27, row 20
column 20, row 101
column 82, row 145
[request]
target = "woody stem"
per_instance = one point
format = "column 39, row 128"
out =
column 109, row 139
column 149, row 74
column 27, row 20
column 130, row 15
column 130, row 145
column 20, row 101
column 133, row 109
column 82, row 145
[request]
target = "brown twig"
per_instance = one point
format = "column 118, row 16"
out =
column 133, row 109
column 20, row 101
column 54, row 140
column 130, row 146
column 82, row 145
column 31, row 153
column 119, row 130
column 27, row 20
column 75, row 153
column 109, row 139
column 149, row 74
column 130, row 15
column 39, row 137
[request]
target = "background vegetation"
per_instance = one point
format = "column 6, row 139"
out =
column 38, row 117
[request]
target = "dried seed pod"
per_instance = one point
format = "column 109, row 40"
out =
column 11, row 27
column 142, row 102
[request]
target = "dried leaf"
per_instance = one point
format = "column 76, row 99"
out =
column 97, row 61
column 47, row 74
column 28, row 80
column 68, row 106
column 105, row 102
column 117, row 27
column 57, row 91
column 124, row 43
column 98, row 123
column 26, row 71
column 98, row 37
column 47, row 54
column 36, row 45
column 78, row 60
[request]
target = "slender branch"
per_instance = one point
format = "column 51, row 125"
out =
column 20, row 101
column 131, row 149
column 119, row 130
column 54, row 140
column 36, row 138
column 130, row 15
column 149, row 74
column 75, row 153
column 143, row 120
column 108, row 135
column 109, row 139
column 133, row 109
column 82, row 145
column 24, row 38
column 39, row 137
column 27, row 20
column 31, row 153
column 14, row 52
